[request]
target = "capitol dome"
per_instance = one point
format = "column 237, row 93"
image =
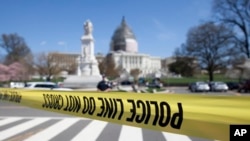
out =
column 124, row 39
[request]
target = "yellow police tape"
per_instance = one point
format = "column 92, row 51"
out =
column 206, row 116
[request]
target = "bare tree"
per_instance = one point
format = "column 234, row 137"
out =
column 15, row 47
column 102, row 66
column 109, row 66
column 183, row 65
column 47, row 66
column 65, row 62
column 135, row 73
column 17, row 51
column 71, row 68
column 180, row 51
column 211, row 45
column 28, row 63
column 236, row 14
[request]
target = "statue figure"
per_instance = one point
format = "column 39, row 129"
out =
column 86, row 51
column 88, row 27
column 79, row 63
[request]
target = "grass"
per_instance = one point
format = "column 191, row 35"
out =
column 187, row 80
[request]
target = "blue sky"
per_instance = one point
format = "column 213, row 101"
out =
column 57, row 25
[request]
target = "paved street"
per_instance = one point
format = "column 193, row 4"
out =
column 23, row 123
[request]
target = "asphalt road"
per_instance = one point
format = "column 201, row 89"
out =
column 19, row 123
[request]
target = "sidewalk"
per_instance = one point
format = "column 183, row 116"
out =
column 127, row 89
column 86, row 89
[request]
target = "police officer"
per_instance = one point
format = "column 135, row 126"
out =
column 103, row 85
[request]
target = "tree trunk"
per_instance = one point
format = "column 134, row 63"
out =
column 211, row 75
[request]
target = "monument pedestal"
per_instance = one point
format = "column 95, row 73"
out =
column 86, row 70
column 78, row 82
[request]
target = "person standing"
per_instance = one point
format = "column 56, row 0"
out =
column 103, row 85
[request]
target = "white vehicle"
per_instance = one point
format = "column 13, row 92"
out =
column 199, row 87
column 219, row 86
column 125, row 86
column 45, row 86
column 17, row 84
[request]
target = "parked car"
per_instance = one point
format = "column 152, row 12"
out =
column 218, row 86
column 44, row 86
column 142, row 81
column 233, row 85
column 244, row 86
column 190, row 85
column 17, row 84
column 199, row 87
column 125, row 85
column 156, row 83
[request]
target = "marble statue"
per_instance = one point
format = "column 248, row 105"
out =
column 88, row 27
column 88, row 74
column 89, row 63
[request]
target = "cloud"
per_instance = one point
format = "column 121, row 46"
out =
column 162, row 33
column 61, row 43
column 159, row 25
column 43, row 43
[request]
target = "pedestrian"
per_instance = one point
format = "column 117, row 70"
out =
column 103, row 85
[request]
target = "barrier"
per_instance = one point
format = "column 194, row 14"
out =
column 205, row 116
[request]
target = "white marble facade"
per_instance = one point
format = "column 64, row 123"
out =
column 146, row 63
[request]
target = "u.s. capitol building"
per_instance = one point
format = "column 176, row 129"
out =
column 124, row 49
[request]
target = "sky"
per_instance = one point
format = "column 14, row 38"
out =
column 160, row 26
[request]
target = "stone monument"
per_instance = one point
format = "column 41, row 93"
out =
column 88, row 74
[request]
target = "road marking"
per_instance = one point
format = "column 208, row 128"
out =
column 60, row 118
column 9, row 120
column 21, row 128
column 53, row 130
column 130, row 133
column 175, row 137
column 91, row 132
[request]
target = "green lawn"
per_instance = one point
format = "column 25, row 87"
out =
column 187, row 80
